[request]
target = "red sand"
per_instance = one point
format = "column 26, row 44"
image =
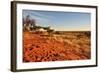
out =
column 39, row 48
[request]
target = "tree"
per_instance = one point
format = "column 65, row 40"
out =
column 27, row 21
column 33, row 22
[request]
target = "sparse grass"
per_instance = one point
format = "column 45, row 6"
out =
column 40, row 46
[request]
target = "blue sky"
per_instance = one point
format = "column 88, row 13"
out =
column 61, row 21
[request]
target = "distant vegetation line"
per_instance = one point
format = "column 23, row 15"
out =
column 72, row 31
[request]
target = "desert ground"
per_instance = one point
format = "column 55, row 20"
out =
column 58, row 46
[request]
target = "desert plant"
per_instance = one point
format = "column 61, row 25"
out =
column 50, row 31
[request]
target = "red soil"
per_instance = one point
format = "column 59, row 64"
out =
column 38, row 48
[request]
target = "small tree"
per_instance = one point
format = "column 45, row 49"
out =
column 50, row 31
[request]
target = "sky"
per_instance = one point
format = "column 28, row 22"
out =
column 61, row 21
